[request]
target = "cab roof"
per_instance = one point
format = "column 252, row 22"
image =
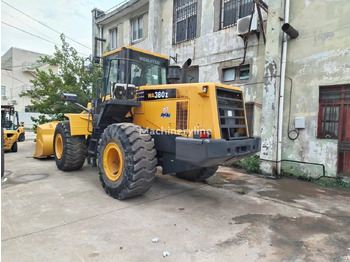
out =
column 135, row 49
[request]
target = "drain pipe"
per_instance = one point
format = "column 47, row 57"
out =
column 281, row 91
column 101, row 36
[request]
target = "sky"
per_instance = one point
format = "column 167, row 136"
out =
column 71, row 17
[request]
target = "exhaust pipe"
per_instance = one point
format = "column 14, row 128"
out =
column 184, row 70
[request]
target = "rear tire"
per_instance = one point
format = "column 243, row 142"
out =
column 14, row 147
column 126, row 160
column 198, row 175
column 69, row 151
column 21, row 137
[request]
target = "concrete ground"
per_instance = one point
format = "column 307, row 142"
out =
column 49, row 215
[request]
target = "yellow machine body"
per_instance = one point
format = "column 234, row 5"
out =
column 194, row 109
column 45, row 133
column 44, row 139
column 10, row 137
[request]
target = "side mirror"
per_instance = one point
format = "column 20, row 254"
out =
column 70, row 97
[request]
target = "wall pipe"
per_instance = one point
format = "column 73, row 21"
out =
column 101, row 36
column 281, row 91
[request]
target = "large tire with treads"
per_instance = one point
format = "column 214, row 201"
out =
column 198, row 175
column 126, row 160
column 69, row 151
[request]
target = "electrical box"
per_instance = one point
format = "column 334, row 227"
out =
column 300, row 122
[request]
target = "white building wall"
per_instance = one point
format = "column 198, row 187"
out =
column 18, row 68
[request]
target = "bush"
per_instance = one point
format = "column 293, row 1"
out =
column 250, row 164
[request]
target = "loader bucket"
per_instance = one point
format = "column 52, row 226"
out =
column 44, row 139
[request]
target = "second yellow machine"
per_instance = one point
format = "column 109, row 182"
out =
column 146, row 115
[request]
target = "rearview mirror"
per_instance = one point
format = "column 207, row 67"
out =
column 70, row 97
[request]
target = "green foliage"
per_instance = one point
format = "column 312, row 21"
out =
column 324, row 181
column 70, row 78
column 250, row 164
column 337, row 182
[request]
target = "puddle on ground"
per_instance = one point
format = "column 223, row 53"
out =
column 291, row 189
column 292, row 236
column 25, row 178
column 228, row 180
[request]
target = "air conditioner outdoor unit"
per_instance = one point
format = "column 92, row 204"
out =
column 14, row 102
column 243, row 24
column 4, row 97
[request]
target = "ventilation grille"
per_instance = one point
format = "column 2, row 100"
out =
column 231, row 114
column 181, row 115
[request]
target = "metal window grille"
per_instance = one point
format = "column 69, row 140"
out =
column 185, row 22
column 231, row 10
column 330, row 101
column 246, row 8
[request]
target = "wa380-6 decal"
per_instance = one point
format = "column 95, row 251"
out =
column 154, row 94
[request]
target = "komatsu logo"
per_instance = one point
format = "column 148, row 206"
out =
column 165, row 113
column 148, row 60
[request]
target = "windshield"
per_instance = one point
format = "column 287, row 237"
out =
column 141, row 73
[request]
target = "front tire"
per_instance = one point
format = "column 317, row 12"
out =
column 198, row 175
column 126, row 161
column 69, row 151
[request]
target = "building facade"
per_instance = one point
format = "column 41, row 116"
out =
column 303, row 118
column 17, row 69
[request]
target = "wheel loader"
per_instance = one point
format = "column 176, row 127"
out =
column 13, row 131
column 145, row 115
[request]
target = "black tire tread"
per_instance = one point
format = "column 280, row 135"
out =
column 139, row 160
column 198, row 175
column 74, row 151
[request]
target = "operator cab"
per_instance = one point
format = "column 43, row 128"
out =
column 128, row 68
column 9, row 118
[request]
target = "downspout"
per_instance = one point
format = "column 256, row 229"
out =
column 281, row 91
column 101, row 37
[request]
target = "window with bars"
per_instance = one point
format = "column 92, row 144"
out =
column 185, row 20
column 331, row 103
column 113, row 38
column 231, row 10
column 137, row 28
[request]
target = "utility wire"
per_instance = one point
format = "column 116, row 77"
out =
column 29, row 33
column 36, row 36
column 27, row 25
column 45, row 25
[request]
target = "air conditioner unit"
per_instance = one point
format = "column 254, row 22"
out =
column 243, row 24
column 4, row 97
column 14, row 102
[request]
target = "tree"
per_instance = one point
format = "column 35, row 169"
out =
column 46, row 96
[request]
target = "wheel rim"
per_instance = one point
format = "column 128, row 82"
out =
column 113, row 161
column 58, row 146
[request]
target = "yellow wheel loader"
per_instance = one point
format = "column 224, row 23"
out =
column 145, row 115
column 13, row 131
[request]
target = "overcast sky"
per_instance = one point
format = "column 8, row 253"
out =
column 71, row 17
